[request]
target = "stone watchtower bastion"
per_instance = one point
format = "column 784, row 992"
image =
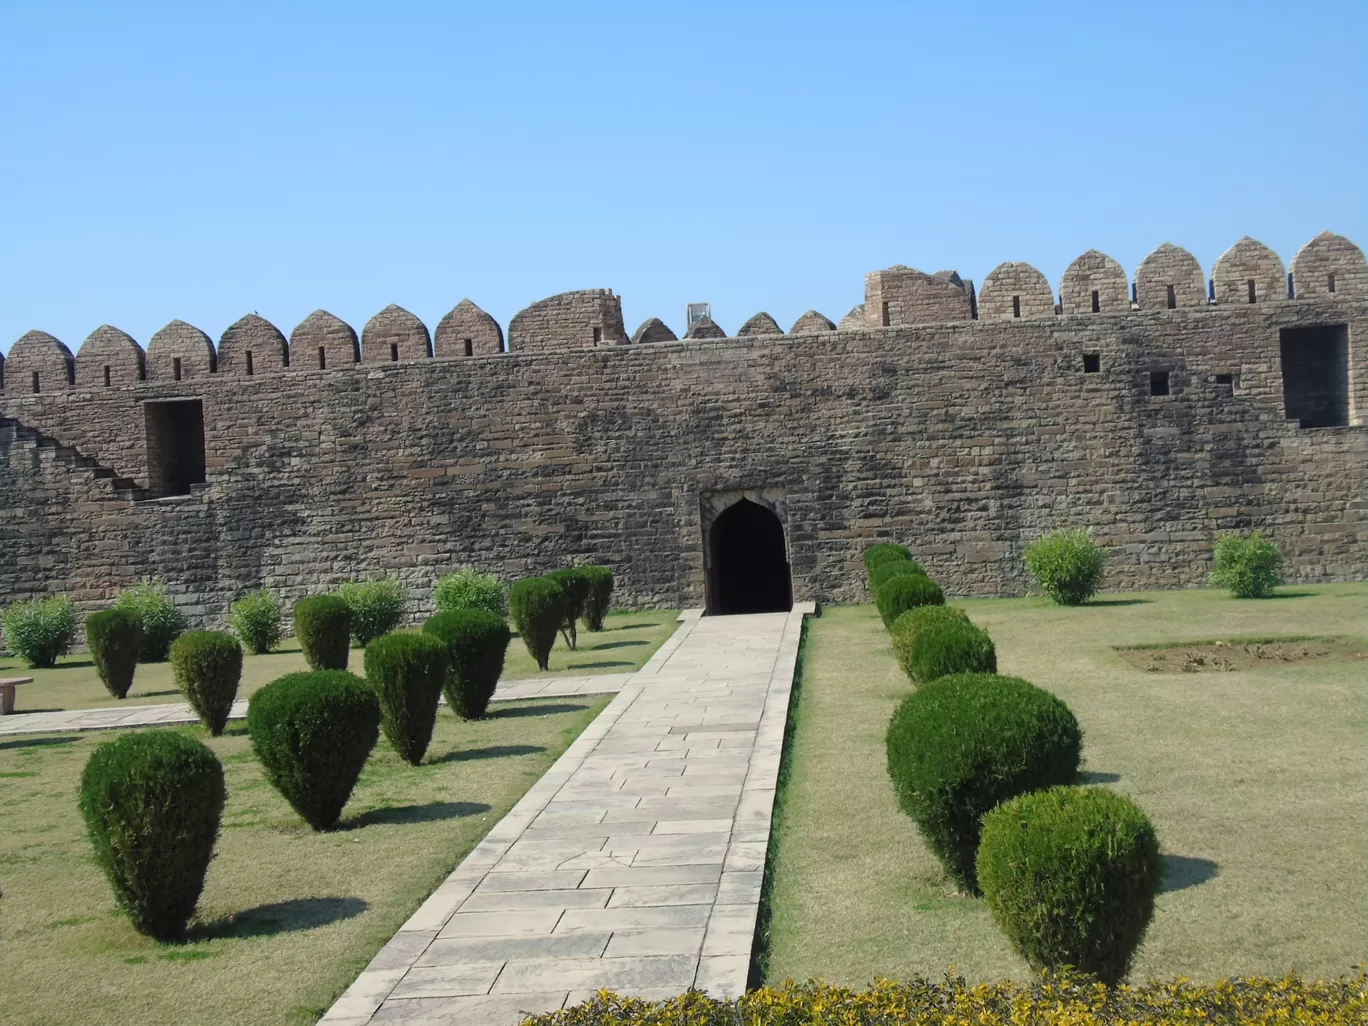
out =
column 709, row 469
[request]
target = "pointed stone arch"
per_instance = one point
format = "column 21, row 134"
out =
column 323, row 341
column 252, row 345
column 108, row 358
column 1014, row 290
column 1249, row 272
column 1169, row 278
column 853, row 320
column 466, row 330
column 1330, row 266
column 653, row 329
column 704, row 327
column 1094, row 283
column 39, row 362
column 747, row 567
column 180, row 352
column 761, row 324
column 394, row 334
column 811, row 322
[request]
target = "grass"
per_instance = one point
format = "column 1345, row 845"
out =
column 288, row 917
column 625, row 643
column 1254, row 780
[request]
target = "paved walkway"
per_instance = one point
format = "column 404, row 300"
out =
column 110, row 718
column 634, row 864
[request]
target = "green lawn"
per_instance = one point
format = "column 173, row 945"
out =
column 288, row 916
column 1255, row 780
column 625, row 643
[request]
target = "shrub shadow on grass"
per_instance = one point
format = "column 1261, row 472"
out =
column 491, row 752
column 614, row 644
column 159, row 694
column 1104, row 601
column 1089, row 777
column 630, row 626
column 279, row 917
column 1287, row 595
column 1182, row 872
column 601, row 665
column 535, row 710
column 38, row 742
column 430, row 813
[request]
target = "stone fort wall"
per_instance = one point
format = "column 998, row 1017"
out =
column 963, row 423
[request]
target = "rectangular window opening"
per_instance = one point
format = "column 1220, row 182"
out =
column 249, row 363
column 1172, row 298
column 1315, row 374
column 175, row 446
column 1159, row 382
column 35, row 382
column 1092, row 363
column 1330, row 284
column 1097, row 302
column 469, row 346
column 322, row 357
column 394, row 352
column 106, row 375
column 1016, row 306
column 176, row 367
column 886, row 319
column 598, row 335
column 1253, row 291
column 1226, row 381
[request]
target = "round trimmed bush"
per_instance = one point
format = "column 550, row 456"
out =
column 476, row 641
column 407, row 672
column 906, row 627
column 114, row 637
column 1067, row 565
column 313, row 733
column 965, row 744
column 152, row 801
column 323, row 626
column 940, row 649
column 884, row 552
column 40, row 631
column 575, row 584
column 162, row 622
column 470, row 589
column 899, row 594
column 1070, row 875
column 207, row 666
column 255, row 619
column 538, row 605
column 1249, row 565
column 376, row 604
column 600, row 592
column 893, row 568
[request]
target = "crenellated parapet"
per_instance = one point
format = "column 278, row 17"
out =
column 323, row 340
column 653, row 329
column 180, row 352
column 394, row 334
column 38, row 362
column 252, row 345
column 1330, row 265
column 901, row 295
column 570, row 320
column 1094, row 283
column 1012, row 290
column 109, row 357
column 466, row 330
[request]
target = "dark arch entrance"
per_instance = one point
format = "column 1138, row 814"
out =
column 748, row 569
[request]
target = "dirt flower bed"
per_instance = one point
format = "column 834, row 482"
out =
column 1243, row 654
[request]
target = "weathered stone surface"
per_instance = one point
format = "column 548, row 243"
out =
column 704, row 328
column 854, row 319
column 183, row 346
column 323, row 341
column 1326, row 257
column 1014, row 290
column 1170, row 275
column 108, row 357
column 394, row 334
column 1249, row 272
column 653, row 329
column 1094, row 283
column 256, row 335
column 571, row 320
column 466, row 330
column 810, row 322
column 901, row 296
column 761, row 324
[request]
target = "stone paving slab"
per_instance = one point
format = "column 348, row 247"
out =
column 635, row 863
column 115, row 717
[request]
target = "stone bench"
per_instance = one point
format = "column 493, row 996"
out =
column 7, row 686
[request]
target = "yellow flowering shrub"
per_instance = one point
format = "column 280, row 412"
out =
column 1052, row 1000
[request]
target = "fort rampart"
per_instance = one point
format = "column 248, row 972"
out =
column 1159, row 412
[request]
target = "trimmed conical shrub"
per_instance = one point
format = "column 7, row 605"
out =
column 114, row 637
column 323, row 626
column 538, row 605
column 207, row 666
column 152, row 801
column 476, row 641
column 313, row 733
column 1070, row 874
column 600, row 593
column 407, row 672
column 575, row 584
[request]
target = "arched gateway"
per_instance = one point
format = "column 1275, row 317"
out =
column 748, row 569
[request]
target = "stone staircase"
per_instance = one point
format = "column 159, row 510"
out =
column 13, row 432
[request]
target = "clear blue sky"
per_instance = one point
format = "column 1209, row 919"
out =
column 202, row 162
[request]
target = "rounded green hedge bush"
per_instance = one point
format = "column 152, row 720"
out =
column 323, row 626
column 906, row 627
column 899, row 594
column 470, row 589
column 940, row 649
column 207, row 667
column 114, row 637
column 884, row 552
column 152, row 801
column 600, row 593
column 162, row 622
column 407, row 672
column 1249, row 565
column 255, row 619
column 376, row 604
column 575, row 584
column 476, row 642
column 885, row 572
column 538, row 605
column 1067, row 565
column 313, row 733
column 1070, row 875
column 41, row 630
column 966, row 743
